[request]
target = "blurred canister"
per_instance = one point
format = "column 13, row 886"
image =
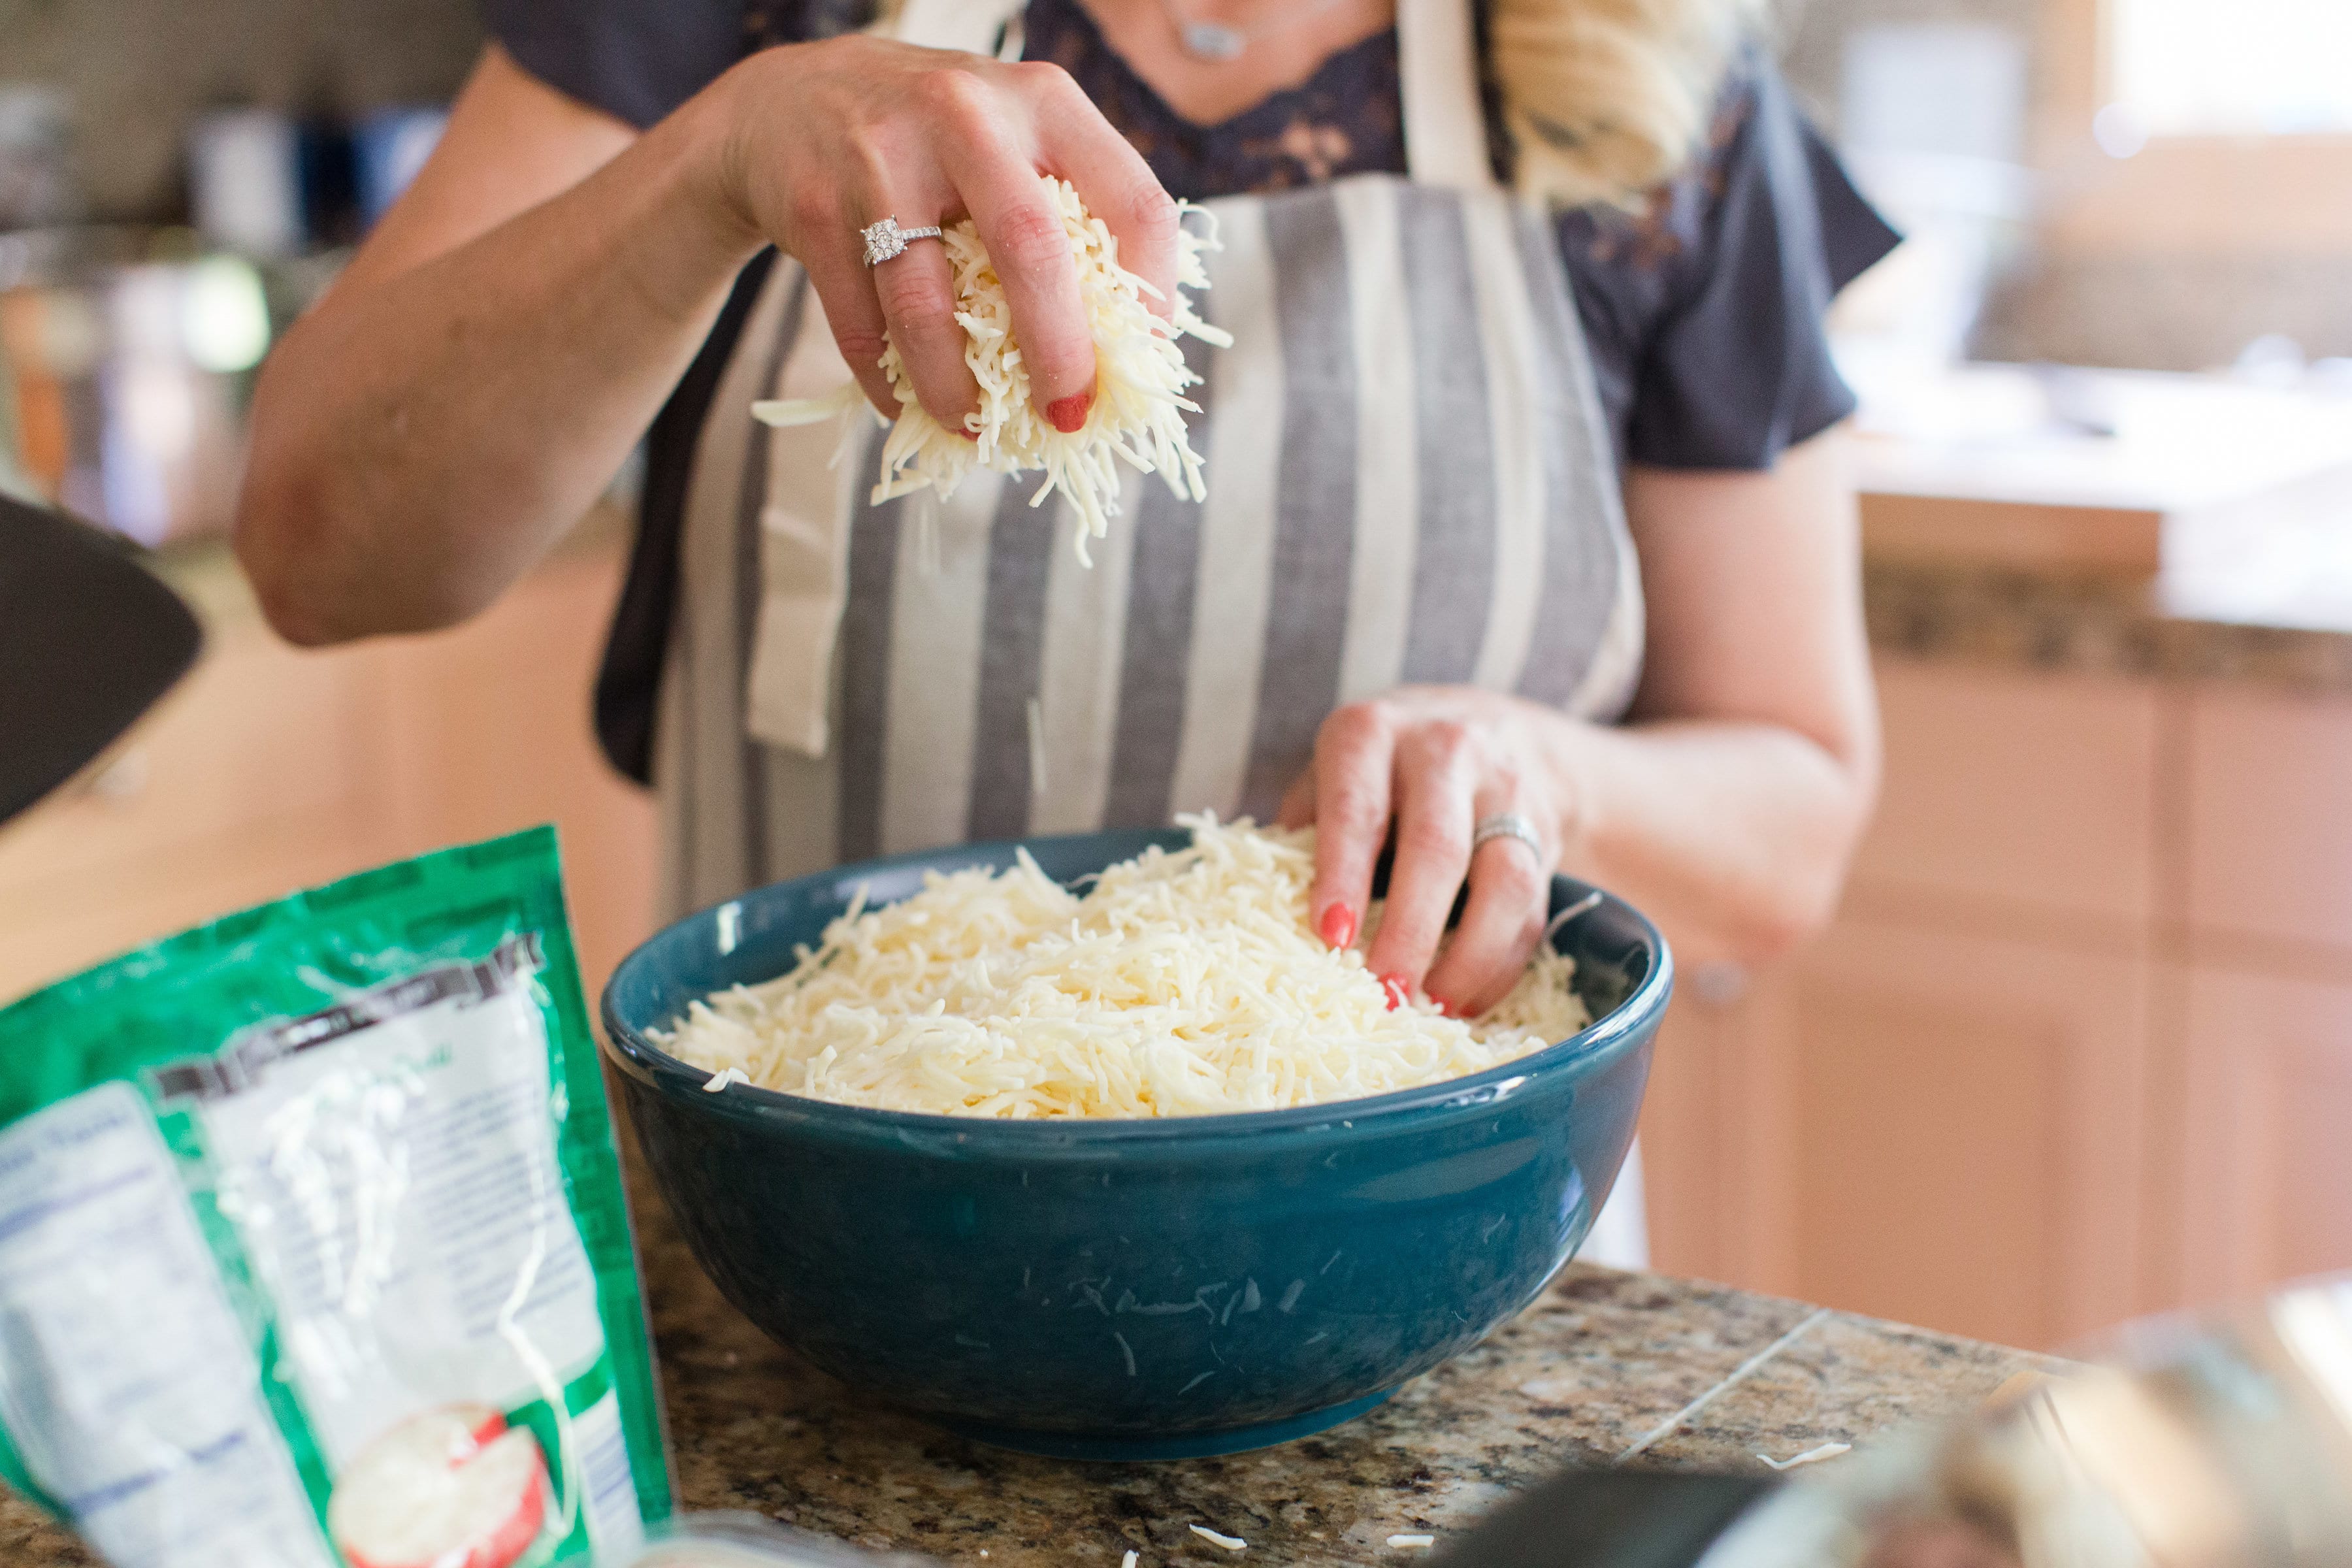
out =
column 37, row 185
column 125, row 362
column 389, row 147
column 246, row 181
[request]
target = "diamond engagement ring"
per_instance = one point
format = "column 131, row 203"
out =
column 1510, row 824
column 887, row 239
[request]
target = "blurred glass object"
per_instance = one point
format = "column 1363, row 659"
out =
column 2233, row 68
column 36, row 184
column 246, row 180
column 125, row 367
column 1932, row 122
column 2118, row 130
column 2272, row 360
column 392, row 145
column 224, row 316
column 2221, row 1442
column 1942, row 89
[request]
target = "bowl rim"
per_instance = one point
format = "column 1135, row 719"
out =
column 638, row 1057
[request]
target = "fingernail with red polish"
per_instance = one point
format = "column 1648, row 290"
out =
column 1399, row 991
column 1069, row 414
column 1338, row 926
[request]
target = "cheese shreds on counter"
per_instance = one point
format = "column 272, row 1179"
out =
column 1181, row 983
column 1810, row 1457
column 1137, row 414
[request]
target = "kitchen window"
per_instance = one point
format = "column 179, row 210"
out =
column 2229, row 67
column 2205, row 127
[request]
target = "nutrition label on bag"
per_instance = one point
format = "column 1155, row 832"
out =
column 125, row 1378
column 313, row 1247
column 390, row 1168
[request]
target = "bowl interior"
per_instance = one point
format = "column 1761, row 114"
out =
column 1620, row 956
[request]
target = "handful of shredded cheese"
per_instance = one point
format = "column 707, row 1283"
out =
column 1180, row 983
column 1139, row 409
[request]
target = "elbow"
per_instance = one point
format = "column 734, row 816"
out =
column 1797, row 906
column 316, row 564
column 319, row 580
column 287, row 549
column 1786, row 918
column 285, row 533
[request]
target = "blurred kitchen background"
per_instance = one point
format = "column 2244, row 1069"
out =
column 2080, row 1045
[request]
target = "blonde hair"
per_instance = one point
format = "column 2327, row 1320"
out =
column 1605, row 99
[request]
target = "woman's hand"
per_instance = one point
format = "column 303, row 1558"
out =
column 1436, row 761
column 823, row 139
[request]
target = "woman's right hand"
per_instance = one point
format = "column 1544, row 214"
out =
column 821, row 139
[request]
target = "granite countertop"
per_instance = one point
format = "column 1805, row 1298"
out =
column 2284, row 622
column 1607, row 1368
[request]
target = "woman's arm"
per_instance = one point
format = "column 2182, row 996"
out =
column 1727, row 808
column 1729, row 805
column 470, row 385
column 476, row 376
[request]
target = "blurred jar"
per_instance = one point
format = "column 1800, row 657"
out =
column 125, row 369
column 37, row 185
column 1931, row 123
column 248, row 182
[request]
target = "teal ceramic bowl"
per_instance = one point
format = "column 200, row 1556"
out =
column 1129, row 1289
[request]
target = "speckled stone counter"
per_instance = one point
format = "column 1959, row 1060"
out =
column 2273, row 611
column 1607, row 1368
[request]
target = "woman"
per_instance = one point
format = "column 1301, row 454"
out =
column 1527, row 538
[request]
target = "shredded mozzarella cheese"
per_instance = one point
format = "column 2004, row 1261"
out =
column 1810, row 1457
column 1180, row 984
column 1137, row 414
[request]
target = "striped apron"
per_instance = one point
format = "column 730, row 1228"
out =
column 1410, row 477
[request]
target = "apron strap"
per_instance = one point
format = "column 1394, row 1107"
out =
column 1444, row 117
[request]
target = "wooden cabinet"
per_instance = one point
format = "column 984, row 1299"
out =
column 1964, row 1133
column 2013, row 793
column 1929, row 1125
column 2264, row 1131
column 1716, row 1130
column 2079, row 1046
column 2269, row 795
column 271, row 768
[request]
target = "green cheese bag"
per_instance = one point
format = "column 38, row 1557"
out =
column 313, row 1250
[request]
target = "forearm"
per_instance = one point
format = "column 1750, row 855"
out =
column 419, row 439
column 1733, row 836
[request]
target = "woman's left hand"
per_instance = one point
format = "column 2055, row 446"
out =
column 1437, row 761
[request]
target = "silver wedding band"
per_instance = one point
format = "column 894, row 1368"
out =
column 1511, row 824
column 887, row 239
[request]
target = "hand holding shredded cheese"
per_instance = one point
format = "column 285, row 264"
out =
column 1180, row 984
column 1139, row 409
